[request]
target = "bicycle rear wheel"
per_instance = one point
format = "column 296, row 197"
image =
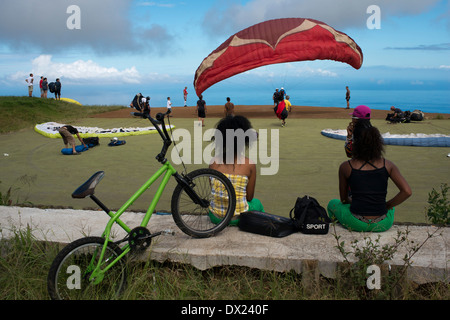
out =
column 68, row 278
column 194, row 219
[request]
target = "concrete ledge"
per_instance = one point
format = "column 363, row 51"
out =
column 298, row 252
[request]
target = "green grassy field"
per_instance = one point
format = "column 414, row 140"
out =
column 308, row 162
column 24, row 112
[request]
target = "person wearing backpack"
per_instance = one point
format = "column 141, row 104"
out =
column 367, row 175
column 51, row 87
column 137, row 102
column 142, row 105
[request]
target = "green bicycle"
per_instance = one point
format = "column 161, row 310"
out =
column 94, row 267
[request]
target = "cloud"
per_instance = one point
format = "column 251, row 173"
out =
column 308, row 71
column 105, row 27
column 78, row 71
column 426, row 47
column 155, row 4
column 288, row 75
column 228, row 17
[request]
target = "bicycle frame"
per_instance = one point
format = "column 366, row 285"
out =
column 167, row 170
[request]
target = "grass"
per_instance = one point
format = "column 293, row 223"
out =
column 25, row 112
column 304, row 153
column 24, row 264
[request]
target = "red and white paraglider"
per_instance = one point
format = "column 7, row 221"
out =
column 276, row 41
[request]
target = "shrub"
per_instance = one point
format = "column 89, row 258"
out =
column 439, row 204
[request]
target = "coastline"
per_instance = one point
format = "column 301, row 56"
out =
column 262, row 112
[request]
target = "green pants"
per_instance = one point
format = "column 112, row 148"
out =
column 253, row 205
column 337, row 210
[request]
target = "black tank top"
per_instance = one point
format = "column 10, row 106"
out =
column 369, row 189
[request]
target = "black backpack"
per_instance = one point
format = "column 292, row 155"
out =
column 91, row 141
column 309, row 216
column 52, row 87
column 417, row 115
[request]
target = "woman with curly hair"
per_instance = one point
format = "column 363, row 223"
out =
column 366, row 176
column 234, row 134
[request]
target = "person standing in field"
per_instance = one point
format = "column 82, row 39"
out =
column 185, row 94
column 347, row 97
column 275, row 97
column 169, row 107
column 30, row 81
column 44, row 88
column 229, row 107
column 201, row 110
column 288, row 104
column 57, row 89
column 40, row 86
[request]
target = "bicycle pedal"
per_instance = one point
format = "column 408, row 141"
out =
column 168, row 232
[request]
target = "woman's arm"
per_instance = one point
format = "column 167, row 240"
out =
column 344, row 174
column 404, row 189
column 251, row 182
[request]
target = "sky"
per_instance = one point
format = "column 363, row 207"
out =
column 106, row 51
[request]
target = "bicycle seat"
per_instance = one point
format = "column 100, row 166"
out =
column 87, row 188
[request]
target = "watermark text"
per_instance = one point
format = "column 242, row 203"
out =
column 74, row 20
column 374, row 279
column 374, row 20
column 189, row 149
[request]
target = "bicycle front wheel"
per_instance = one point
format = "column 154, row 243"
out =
column 202, row 221
column 69, row 275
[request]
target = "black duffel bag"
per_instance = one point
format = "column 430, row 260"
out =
column 266, row 224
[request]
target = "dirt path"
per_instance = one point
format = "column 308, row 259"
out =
column 302, row 112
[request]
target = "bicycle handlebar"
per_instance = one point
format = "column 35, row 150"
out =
column 161, row 157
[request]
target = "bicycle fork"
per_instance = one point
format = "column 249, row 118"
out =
column 188, row 185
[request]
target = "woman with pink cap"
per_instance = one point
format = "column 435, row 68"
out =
column 363, row 181
column 360, row 114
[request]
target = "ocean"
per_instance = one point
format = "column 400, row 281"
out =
column 435, row 101
column 427, row 100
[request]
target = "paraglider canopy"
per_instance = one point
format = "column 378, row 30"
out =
column 276, row 41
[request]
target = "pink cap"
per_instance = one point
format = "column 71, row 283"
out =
column 361, row 112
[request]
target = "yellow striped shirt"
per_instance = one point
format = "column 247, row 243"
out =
column 219, row 201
